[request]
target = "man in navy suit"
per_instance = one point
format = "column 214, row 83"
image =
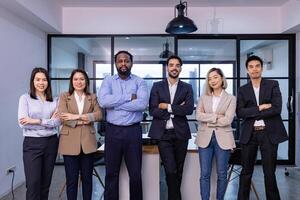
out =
column 170, row 101
column 259, row 104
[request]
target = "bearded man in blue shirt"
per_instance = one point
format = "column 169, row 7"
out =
column 125, row 97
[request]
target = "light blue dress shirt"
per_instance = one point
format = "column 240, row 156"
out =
column 115, row 96
column 38, row 109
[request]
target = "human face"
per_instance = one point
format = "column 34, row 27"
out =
column 254, row 69
column 174, row 68
column 215, row 80
column 40, row 82
column 79, row 82
column 123, row 64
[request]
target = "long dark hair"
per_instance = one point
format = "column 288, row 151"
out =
column 87, row 81
column 48, row 91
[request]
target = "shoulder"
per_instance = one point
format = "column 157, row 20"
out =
column 24, row 97
column 230, row 96
column 271, row 82
column 64, row 95
column 137, row 78
column 92, row 96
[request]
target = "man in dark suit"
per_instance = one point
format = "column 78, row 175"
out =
column 170, row 101
column 259, row 104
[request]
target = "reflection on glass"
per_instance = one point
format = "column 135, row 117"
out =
column 274, row 54
column 102, row 70
column 72, row 52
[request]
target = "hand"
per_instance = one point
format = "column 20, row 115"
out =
column 28, row 120
column 55, row 115
column 68, row 116
column 133, row 97
column 163, row 106
column 220, row 116
column 264, row 106
column 84, row 117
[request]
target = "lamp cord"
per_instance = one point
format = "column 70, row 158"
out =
column 12, row 185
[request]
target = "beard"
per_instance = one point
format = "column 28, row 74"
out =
column 125, row 73
column 172, row 75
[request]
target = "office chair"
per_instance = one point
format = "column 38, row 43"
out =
column 235, row 159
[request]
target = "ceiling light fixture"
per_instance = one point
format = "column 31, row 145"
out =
column 181, row 24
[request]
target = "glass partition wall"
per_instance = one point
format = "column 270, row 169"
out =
column 95, row 54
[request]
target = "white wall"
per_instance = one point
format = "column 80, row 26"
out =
column 154, row 20
column 290, row 16
column 23, row 47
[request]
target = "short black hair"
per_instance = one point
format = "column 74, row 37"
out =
column 251, row 58
column 174, row 57
column 87, row 81
column 48, row 91
column 125, row 52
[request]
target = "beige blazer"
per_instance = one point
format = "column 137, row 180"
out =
column 208, row 121
column 75, row 137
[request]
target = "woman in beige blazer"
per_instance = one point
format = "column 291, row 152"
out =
column 215, row 112
column 78, row 110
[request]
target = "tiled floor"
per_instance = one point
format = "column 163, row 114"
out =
column 288, row 185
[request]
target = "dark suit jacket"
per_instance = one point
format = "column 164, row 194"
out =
column 160, row 94
column 247, row 109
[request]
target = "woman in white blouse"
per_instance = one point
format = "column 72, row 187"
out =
column 215, row 112
column 38, row 118
column 78, row 110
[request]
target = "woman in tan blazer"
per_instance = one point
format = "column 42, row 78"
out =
column 215, row 112
column 78, row 110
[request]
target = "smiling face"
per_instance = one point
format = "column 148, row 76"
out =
column 174, row 68
column 254, row 69
column 215, row 80
column 123, row 64
column 40, row 82
column 79, row 82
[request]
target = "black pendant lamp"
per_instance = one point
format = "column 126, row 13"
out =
column 181, row 24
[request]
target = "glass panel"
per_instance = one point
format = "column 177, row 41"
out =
column 284, row 88
column 207, row 50
column 283, row 153
column 273, row 52
column 59, row 86
column 102, row 70
column 146, row 48
column 70, row 53
column 148, row 70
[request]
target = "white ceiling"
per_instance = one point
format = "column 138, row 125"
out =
column 171, row 3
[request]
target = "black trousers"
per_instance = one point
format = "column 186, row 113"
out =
column 84, row 164
column 172, row 152
column 268, row 156
column 39, row 154
column 123, row 141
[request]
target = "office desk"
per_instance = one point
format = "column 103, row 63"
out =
column 190, row 187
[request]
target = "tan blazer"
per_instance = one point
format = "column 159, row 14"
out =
column 75, row 137
column 208, row 121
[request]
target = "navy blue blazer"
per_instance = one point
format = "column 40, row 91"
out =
column 182, row 106
column 247, row 109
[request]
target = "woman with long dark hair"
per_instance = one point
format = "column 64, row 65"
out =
column 78, row 110
column 38, row 118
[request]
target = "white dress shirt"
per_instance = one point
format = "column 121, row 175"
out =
column 172, row 90
column 216, row 101
column 258, row 122
column 79, row 102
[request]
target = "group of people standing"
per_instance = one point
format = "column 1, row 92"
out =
column 124, row 97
